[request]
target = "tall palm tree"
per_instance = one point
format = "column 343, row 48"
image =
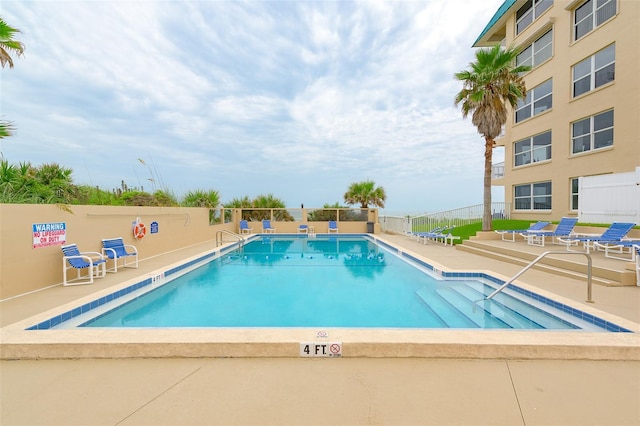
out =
column 8, row 45
column 491, row 83
column 365, row 193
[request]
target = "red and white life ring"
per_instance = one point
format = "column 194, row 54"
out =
column 139, row 231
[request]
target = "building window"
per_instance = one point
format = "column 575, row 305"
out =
column 537, row 52
column 594, row 71
column 533, row 196
column 574, row 193
column 538, row 99
column 528, row 13
column 533, row 149
column 592, row 14
column 592, row 133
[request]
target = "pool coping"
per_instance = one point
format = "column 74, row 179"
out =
column 19, row 343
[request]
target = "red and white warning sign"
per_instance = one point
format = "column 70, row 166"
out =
column 321, row 349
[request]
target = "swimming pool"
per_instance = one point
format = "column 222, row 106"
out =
column 346, row 281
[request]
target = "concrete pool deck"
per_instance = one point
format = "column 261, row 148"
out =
column 497, row 388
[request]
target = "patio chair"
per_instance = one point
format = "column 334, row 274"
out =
column 115, row 248
column 637, row 250
column 614, row 234
column 538, row 226
column 244, row 227
column 266, row 227
column 447, row 236
column 333, row 226
column 564, row 229
column 617, row 249
column 431, row 235
column 93, row 262
column 303, row 228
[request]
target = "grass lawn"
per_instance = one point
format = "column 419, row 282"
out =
column 466, row 231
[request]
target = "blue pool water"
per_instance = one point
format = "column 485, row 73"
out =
column 327, row 282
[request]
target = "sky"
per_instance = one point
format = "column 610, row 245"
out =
column 297, row 99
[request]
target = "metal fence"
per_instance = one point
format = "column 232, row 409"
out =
column 455, row 217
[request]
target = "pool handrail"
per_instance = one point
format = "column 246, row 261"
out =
column 219, row 233
column 536, row 260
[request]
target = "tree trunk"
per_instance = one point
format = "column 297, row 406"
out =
column 487, row 224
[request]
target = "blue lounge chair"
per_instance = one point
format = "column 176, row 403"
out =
column 93, row 262
column 618, row 248
column 266, row 227
column 446, row 235
column 431, row 235
column 244, row 227
column 614, row 234
column 303, row 228
column 333, row 226
column 427, row 234
column 637, row 250
column 115, row 248
column 564, row 229
column 538, row 226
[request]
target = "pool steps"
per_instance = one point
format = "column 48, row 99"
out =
column 462, row 297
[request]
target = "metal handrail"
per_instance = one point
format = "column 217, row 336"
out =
column 239, row 237
column 536, row 260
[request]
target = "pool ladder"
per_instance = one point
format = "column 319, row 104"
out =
column 536, row 260
column 222, row 232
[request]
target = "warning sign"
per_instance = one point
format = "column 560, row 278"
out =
column 49, row 234
column 324, row 349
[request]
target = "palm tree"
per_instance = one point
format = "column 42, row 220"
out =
column 492, row 82
column 365, row 193
column 8, row 44
column 6, row 129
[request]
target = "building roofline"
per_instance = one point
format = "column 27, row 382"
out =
column 500, row 13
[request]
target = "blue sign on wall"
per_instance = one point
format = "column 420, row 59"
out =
column 154, row 227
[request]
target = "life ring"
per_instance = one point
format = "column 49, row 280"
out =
column 139, row 231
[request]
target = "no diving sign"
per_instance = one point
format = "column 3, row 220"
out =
column 324, row 349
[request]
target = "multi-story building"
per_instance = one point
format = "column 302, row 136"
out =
column 581, row 115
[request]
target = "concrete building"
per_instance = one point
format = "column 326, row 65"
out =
column 581, row 116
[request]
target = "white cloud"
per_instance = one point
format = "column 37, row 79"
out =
column 298, row 99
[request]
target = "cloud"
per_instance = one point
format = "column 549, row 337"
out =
column 298, row 99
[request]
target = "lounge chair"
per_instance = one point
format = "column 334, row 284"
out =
column 443, row 236
column 303, row 228
column 538, row 226
column 637, row 250
column 617, row 249
column 244, row 227
column 614, row 234
column 564, row 229
column 333, row 226
column 115, row 248
column 92, row 261
column 266, row 227
column 429, row 235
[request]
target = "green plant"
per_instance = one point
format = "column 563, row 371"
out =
column 365, row 193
